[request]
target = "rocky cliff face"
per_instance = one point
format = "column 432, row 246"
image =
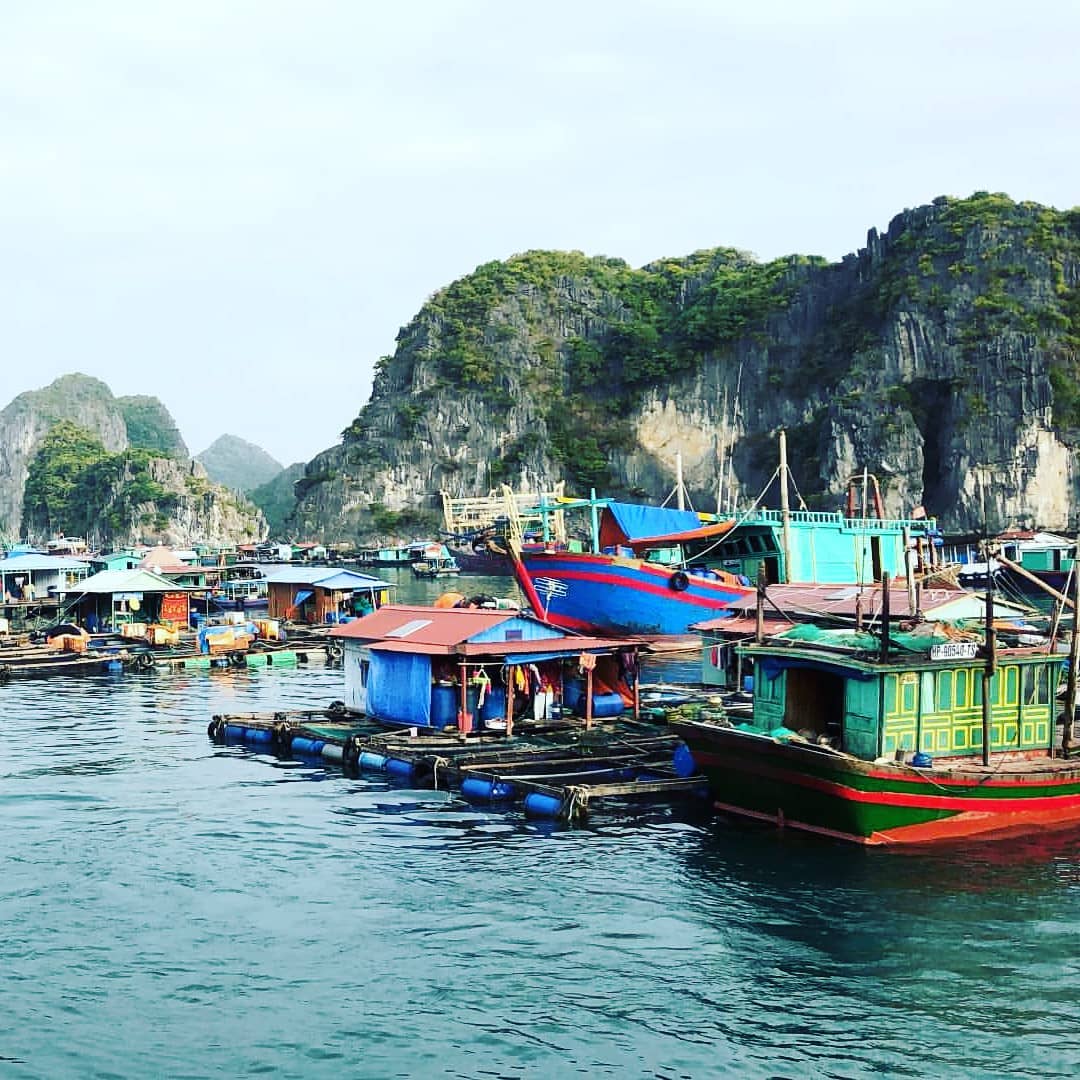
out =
column 130, row 481
column 943, row 357
column 26, row 421
column 194, row 511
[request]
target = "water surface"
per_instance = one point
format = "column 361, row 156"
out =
column 170, row 907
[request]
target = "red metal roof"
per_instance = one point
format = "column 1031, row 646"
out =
column 802, row 602
column 422, row 629
column 434, row 626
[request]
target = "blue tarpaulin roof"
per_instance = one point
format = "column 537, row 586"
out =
column 303, row 595
column 639, row 522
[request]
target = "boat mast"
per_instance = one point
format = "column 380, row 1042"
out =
column 988, row 670
column 785, row 508
column 1074, row 656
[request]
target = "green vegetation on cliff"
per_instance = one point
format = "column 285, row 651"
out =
column 151, row 427
column 940, row 342
column 75, row 486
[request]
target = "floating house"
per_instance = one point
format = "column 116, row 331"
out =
column 34, row 578
column 479, row 668
column 323, row 594
column 170, row 564
column 125, row 559
column 115, row 598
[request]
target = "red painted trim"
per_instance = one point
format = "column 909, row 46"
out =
column 916, row 800
column 729, row 592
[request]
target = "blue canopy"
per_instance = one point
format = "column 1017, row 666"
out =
column 640, row 522
column 303, row 595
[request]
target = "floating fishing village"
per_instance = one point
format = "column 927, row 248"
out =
column 857, row 677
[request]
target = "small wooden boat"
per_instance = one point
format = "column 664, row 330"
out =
column 436, row 563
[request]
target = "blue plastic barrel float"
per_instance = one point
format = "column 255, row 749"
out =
column 483, row 789
column 371, row 761
column 540, row 805
column 258, row 735
column 443, row 705
column 683, row 761
column 309, row 747
column 607, row 705
column 400, row 767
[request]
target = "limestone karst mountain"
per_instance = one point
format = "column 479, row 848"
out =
column 943, row 356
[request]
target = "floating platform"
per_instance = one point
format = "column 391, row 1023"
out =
column 559, row 771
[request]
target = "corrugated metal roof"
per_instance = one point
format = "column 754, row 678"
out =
column 317, row 575
column 29, row 561
column 443, row 631
column 116, row 581
column 436, row 626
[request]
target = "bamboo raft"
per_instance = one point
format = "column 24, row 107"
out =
column 554, row 771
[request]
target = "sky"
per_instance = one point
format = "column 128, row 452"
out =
column 235, row 206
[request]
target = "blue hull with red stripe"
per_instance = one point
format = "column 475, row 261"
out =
column 624, row 595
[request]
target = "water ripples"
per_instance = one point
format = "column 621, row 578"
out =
column 180, row 908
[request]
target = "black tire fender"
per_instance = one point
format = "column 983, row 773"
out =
column 678, row 582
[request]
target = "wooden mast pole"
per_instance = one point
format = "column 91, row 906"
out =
column 988, row 670
column 886, row 615
column 1074, row 658
column 759, row 626
column 785, row 508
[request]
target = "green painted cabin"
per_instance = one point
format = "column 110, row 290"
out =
column 873, row 709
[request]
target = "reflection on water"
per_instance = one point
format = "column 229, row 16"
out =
column 182, row 908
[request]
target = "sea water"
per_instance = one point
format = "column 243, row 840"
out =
column 171, row 907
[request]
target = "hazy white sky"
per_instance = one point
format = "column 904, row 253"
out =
column 234, row 206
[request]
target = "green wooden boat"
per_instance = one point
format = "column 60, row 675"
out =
column 885, row 744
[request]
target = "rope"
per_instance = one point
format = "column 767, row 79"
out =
column 435, row 763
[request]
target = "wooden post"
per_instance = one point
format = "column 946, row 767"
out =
column 909, row 572
column 886, row 615
column 637, row 688
column 509, row 701
column 464, row 722
column 988, row 671
column 1074, row 658
column 588, row 699
column 759, row 629
column 785, row 510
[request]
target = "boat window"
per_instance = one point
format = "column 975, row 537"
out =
column 1035, row 685
column 1027, row 686
column 1010, row 685
column 907, row 693
column 944, row 691
column 961, row 686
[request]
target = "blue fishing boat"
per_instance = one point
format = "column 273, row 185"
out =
column 658, row 570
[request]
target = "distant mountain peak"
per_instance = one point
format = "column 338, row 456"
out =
column 238, row 464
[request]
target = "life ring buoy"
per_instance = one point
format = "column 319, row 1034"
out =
column 678, row 582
